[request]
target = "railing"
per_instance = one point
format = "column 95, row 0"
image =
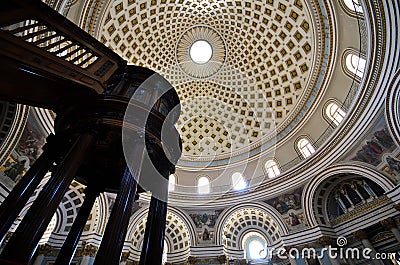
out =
column 44, row 37
column 361, row 210
column 36, row 35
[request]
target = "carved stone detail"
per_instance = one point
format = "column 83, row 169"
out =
column 388, row 223
column 325, row 241
column 124, row 256
column 44, row 250
column 87, row 251
column 191, row 260
column 222, row 259
column 360, row 235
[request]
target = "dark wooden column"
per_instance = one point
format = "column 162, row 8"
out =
column 20, row 194
column 114, row 235
column 22, row 244
column 71, row 242
column 153, row 241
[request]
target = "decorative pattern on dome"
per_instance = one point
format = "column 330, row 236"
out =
column 263, row 53
column 200, row 33
column 208, row 128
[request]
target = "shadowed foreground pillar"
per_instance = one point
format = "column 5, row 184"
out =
column 71, row 242
column 114, row 235
column 22, row 244
column 153, row 241
column 20, row 194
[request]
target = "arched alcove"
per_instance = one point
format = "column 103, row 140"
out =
column 179, row 235
column 233, row 224
column 335, row 174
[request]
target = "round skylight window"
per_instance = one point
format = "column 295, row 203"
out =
column 201, row 52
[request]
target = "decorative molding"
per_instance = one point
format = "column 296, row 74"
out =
column 388, row 223
column 360, row 235
column 381, row 237
column 125, row 256
column 191, row 260
column 392, row 108
column 325, row 241
column 87, row 251
column 45, row 250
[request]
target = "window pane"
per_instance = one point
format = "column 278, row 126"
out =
column 305, row 148
column 355, row 64
column 171, row 184
column 203, row 185
column 256, row 249
column 276, row 170
column 272, row 169
column 354, row 5
column 335, row 113
column 311, row 148
column 238, row 181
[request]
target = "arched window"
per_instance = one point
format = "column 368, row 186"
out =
column 272, row 169
column 165, row 252
column 238, row 181
column 305, row 148
column 255, row 246
column 335, row 113
column 171, row 182
column 203, row 185
column 353, row 5
column 355, row 64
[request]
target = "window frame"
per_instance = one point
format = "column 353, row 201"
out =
column 351, row 11
column 276, row 164
column 208, row 185
column 240, row 181
column 331, row 119
column 172, row 184
column 350, row 73
column 299, row 150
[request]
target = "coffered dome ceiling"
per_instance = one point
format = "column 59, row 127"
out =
column 262, row 78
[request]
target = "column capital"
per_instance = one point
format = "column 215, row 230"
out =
column 360, row 234
column 397, row 206
column 222, row 259
column 87, row 251
column 388, row 223
column 44, row 250
column 125, row 256
column 325, row 241
column 191, row 260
